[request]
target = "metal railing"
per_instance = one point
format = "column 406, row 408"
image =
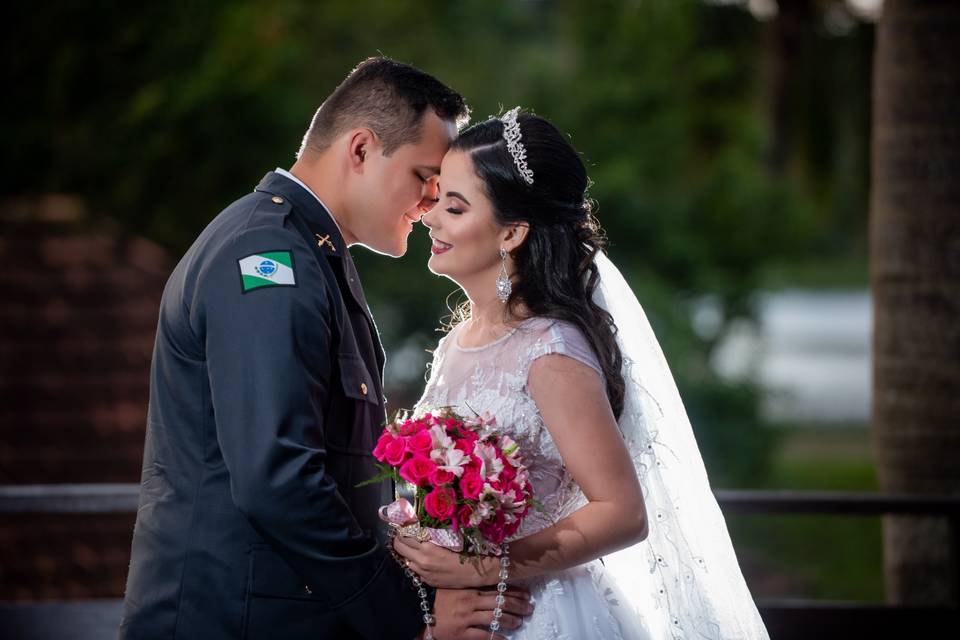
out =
column 788, row 619
column 785, row 619
column 122, row 498
column 69, row 498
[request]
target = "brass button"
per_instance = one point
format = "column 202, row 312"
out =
column 307, row 590
column 277, row 200
column 363, row 388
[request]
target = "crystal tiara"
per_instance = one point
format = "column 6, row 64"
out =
column 511, row 133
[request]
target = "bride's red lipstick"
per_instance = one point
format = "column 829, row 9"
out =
column 439, row 247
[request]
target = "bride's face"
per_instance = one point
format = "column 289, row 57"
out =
column 466, row 235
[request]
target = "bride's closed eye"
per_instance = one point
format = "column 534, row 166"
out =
column 456, row 198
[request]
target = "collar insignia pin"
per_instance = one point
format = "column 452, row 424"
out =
column 325, row 240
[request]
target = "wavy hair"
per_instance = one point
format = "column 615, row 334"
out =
column 556, row 275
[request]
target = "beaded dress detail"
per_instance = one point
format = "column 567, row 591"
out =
column 581, row 602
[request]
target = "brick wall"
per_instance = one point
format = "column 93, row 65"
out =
column 79, row 310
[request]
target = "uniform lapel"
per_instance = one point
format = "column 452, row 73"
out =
column 353, row 282
column 326, row 237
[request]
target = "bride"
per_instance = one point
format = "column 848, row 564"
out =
column 630, row 542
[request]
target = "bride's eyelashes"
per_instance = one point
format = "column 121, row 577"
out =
column 455, row 198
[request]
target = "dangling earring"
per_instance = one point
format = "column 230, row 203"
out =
column 504, row 286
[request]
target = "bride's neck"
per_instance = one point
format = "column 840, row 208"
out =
column 489, row 316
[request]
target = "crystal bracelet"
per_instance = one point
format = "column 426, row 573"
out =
column 424, row 603
column 428, row 618
column 501, row 589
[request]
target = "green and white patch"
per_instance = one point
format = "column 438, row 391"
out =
column 267, row 269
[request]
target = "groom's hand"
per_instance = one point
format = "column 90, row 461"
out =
column 466, row 614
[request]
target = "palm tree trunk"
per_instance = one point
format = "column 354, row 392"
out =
column 785, row 43
column 915, row 276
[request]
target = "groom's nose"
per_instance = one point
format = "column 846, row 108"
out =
column 433, row 183
column 430, row 194
column 426, row 204
column 431, row 188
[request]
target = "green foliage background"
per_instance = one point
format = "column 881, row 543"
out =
column 160, row 114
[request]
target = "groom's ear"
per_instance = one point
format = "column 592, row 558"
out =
column 516, row 234
column 359, row 145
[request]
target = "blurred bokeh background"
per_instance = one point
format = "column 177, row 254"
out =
column 729, row 147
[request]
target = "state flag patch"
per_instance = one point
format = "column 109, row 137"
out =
column 267, row 269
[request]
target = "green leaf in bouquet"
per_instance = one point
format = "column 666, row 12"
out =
column 386, row 473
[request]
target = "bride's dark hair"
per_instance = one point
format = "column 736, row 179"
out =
column 556, row 275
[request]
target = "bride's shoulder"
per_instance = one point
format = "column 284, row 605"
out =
column 544, row 329
column 549, row 336
column 444, row 340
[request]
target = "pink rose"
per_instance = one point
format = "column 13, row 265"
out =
column 473, row 464
column 494, row 530
column 418, row 470
column 471, row 484
column 420, row 442
column 440, row 503
column 395, row 452
column 464, row 444
column 380, row 451
column 406, row 428
column 441, row 476
column 462, row 519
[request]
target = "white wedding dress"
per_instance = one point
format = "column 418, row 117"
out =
column 683, row 581
column 582, row 602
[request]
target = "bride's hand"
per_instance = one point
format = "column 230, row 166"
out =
column 444, row 569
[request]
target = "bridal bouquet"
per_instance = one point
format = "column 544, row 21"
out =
column 471, row 490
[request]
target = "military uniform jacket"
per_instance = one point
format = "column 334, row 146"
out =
column 265, row 404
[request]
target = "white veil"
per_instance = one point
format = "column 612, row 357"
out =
column 683, row 580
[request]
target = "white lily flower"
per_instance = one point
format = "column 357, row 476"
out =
column 490, row 464
column 440, row 438
column 452, row 460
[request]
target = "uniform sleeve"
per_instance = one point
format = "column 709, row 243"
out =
column 267, row 318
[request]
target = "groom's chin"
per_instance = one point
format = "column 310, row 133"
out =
column 394, row 250
column 399, row 250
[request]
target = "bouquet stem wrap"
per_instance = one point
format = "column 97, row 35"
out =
column 401, row 515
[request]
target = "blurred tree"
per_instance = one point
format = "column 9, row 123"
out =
column 161, row 114
column 915, row 274
column 787, row 37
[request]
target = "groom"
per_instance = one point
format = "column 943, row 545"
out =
column 266, row 393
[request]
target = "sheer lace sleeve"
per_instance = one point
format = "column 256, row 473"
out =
column 492, row 379
column 564, row 338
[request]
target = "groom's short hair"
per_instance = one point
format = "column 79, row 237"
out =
column 387, row 96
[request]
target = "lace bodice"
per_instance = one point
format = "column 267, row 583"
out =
column 492, row 379
column 683, row 580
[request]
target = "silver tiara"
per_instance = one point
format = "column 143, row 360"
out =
column 511, row 133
